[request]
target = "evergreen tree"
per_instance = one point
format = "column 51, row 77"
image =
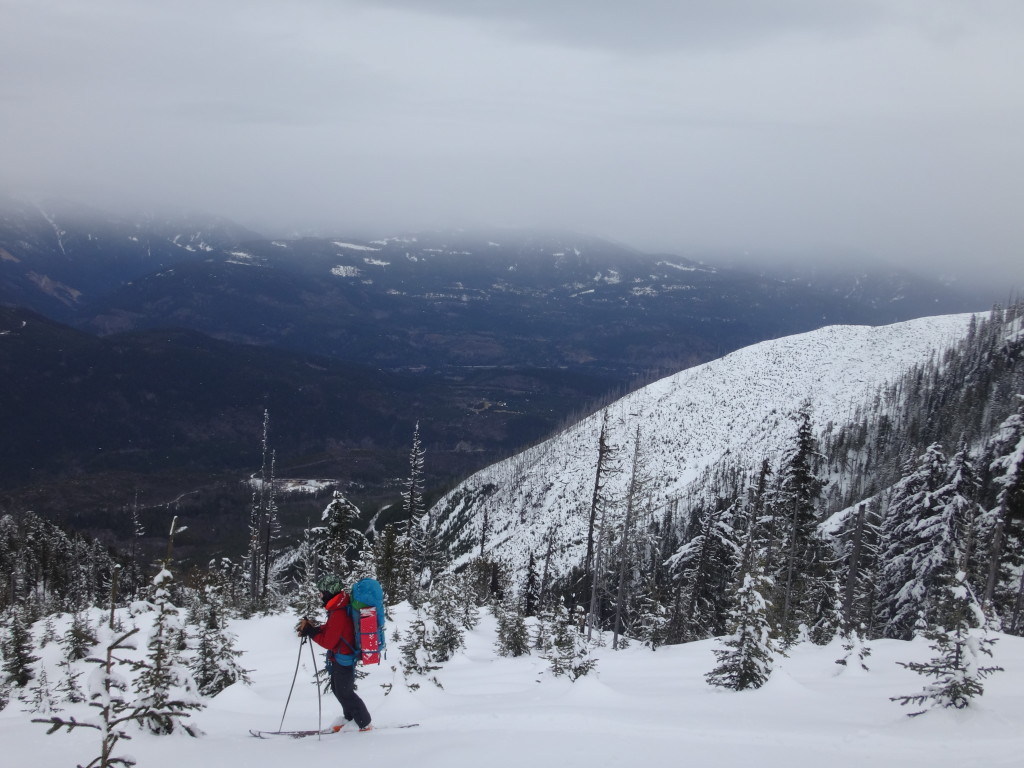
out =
column 416, row 545
column 1004, row 523
column 39, row 697
column 568, row 654
column 164, row 685
column 108, row 695
column 705, row 566
column 388, row 562
column 958, row 643
column 69, row 687
column 746, row 657
column 415, row 654
column 79, row 638
column 531, row 589
column 49, row 632
column 927, row 532
column 214, row 665
column 857, row 543
column 513, row 637
column 598, row 513
column 305, row 599
column 263, row 524
column 855, row 651
column 802, row 578
column 17, row 649
column 341, row 541
column 639, row 487
column 448, row 635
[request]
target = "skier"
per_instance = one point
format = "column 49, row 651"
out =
column 337, row 635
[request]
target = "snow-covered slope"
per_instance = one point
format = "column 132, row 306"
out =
column 639, row 709
column 739, row 406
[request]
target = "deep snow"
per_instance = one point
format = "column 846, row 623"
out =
column 639, row 708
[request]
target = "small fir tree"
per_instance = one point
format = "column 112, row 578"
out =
column 214, row 665
column 513, row 638
column 108, row 694
column 448, row 635
column 80, row 637
column 49, row 632
column 17, row 649
column 415, row 654
column 164, row 685
column 958, row 646
column 39, row 697
column 746, row 658
column 568, row 654
column 69, row 687
column 855, row 651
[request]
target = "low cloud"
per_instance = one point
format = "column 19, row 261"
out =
column 889, row 130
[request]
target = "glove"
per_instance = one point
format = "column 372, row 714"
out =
column 306, row 628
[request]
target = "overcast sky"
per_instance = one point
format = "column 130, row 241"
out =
column 842, row 128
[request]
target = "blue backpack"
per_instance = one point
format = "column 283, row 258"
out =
column 366, row 594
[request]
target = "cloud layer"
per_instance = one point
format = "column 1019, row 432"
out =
column 850, row 129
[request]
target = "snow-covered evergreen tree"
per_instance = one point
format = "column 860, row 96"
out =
column 926, row 533
column 513, row 638
column 340, row 540
column 79, row 638
column 448, row 635
column 959, row 642
column 40, row 697
column 855, row 651
column 705, row 565
column 68, row 687
column 108, row 694
column 747, row 654
column 17, row 648
column 567, row 651
column 164, row 685
column 801, row 578
column 214, row 665
column 415, row 547
column 414, row 647
column 1004, row 523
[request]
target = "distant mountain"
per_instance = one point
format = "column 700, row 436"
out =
column 175, row 333
column 737, row 409
column 56, row 257
column 446, row 301
column 449, row 301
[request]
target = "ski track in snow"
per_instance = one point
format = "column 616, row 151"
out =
column 739, row 405
column 640, row 708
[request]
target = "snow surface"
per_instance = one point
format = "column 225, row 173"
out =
column 739, row 407
column 640, row 708
column 345, row 271
column 355, row 246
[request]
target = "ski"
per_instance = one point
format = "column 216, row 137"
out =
column 325, row 732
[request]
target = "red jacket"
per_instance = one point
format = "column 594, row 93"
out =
column 338, row 632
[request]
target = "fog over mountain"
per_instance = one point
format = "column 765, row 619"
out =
column 830, row 132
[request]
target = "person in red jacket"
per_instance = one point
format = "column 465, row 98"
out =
column 337, row 635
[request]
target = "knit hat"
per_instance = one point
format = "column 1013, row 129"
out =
column 330, row 584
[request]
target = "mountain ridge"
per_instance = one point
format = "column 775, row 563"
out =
column 738, row 406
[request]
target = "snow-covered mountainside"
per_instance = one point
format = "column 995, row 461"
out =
column 737, row 407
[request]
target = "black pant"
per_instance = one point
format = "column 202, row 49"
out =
column 343, row 686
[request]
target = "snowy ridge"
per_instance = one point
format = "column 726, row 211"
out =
column 738, row 406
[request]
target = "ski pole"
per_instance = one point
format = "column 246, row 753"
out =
column 294, row 675
column 319, row 695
